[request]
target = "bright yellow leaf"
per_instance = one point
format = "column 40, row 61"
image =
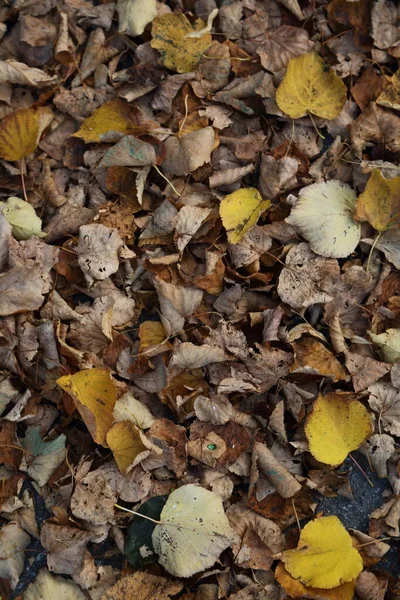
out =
column 153, row 338
column 94, row 394
column 20, row 132
column 179, row 52
column 112, row 117
column 125, row 441
column 310, row 86
column 325, row 557
column 295, row 589
column 336, row 426
column 379, row 204
column 240, row 211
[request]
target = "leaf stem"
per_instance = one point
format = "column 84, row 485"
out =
column 376, row 240
column 315, row 127
column 362, row 470
column 138, row 514
column 167, row 180
column 22, row 171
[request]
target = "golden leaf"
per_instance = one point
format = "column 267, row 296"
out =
column 325, row 556
column 310, row 353
column 240, row 210
column 379, row 204
column 295, row 589
column 153, row 338
column 111, row 118
column 94, row 394
column 179, row 52
column 20, row 132
column 310, row 86
column 126, row 443
column 336, row 426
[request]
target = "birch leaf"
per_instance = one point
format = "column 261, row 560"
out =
column 379, row 204
column 310, row 86
column 240, row 211
column 20, row 132
column 193, row 532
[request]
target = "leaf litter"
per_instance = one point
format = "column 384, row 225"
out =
column 199, row 299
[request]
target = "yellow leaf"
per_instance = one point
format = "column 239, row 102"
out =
column 20, row 132
column 94, row 394
column 153, row 338
column 310, row 86
column 112, row 117
column 125, row 441
column 179, row 52
column 325, row 557
column 311, row 354
column 240, row 211
column 295, row 589
column 335, row 427
column 379, row 204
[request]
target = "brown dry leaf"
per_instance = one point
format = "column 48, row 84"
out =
column 189, row 221
column 266, row 464
column 188, row 153
column 384, row 400
column 188, row 356
column 370, row 586
column 98, row 251
column 96, row 53
column 13, row 541
column 12, row 71
column 281, row 45
column 311, row 356
column 20, row 132
column 364, row 370
column 94, row 393
column 380, row 448
column 145, row 586
column 212, row 280
column 129, row 152
column 94, row 499
column 378, row 125
column 65, row 547
column 153, row 338
column 296, row 589
column 176, row 304
column 384, row 18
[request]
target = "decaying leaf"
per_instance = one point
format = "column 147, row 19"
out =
column 324, row 214
column 240, row 211
column 94, row 394
column 312, row 356
column 379, row 204
column 13, row 541
column 325, row 556
column 336, row 426
column 193, row 523
column 178, row 51
column 384, row 400
column 310, row 86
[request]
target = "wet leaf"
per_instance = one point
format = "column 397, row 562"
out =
column 325, row 556
column 336, row 426
column 240, row 211
column 138, row 548
column 310, row 86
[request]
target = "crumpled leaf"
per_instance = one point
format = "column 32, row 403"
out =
column 142, row 585
column 12, row 71
column 336, row 426
column 129, row 445
column 107, row 123
column 325, row 556
column 380, row 448
column 240, row 211
column 13, row 541
column 179, row 52
column 193, row 524
column 20, row 132
column 389, row 344
column 176, row 304
column 65, row 547
column 295, row 589
column 310, row 86
column 384, row 400
column 312, row 356
column 94, row 395
column 188, row 153
column 135, row 15
column 47, row 587
column 98, row 251
column 42, row 458
column 324, row 214
column 22, row 217
column 379, row 204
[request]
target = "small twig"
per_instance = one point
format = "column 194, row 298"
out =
column 185, row 117
column 315, row 127
column 362, row 470
column 22, row 171
column 167, row 180
column 296, row 515
column 138, row 514
column 373, row 542
column 376, row 240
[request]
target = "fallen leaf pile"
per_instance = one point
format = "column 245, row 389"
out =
column 199, row 299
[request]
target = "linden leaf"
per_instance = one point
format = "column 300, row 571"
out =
column 193, row 532
column 23, row 218
column 379, row 204
column 94, row 394
column 335, row 427
column 324, row 216
column 20, row 132
column 178, row 51
column 240, row 210
column 107, row 123
column 310, row 86
column 126, row 443
column 295, row 589
column 389, row 343
column 325, row 557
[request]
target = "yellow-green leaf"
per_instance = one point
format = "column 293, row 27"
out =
column 336, row 426
column 179, row 52
column 379, row 204
column 240, row 211
column 94, row 394
column 325, row 557
column 20, row 132
column 23, row 218
column 113, row 117
column 389, row 343
column 310, row 86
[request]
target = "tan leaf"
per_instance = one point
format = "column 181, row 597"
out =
column 264, row 463
column 176, row 304
column 189, row 356
column 184, row 155
column 384, row 400
column 65, row 547
column 281, row 45
column 17, row 72
column 98, row 251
